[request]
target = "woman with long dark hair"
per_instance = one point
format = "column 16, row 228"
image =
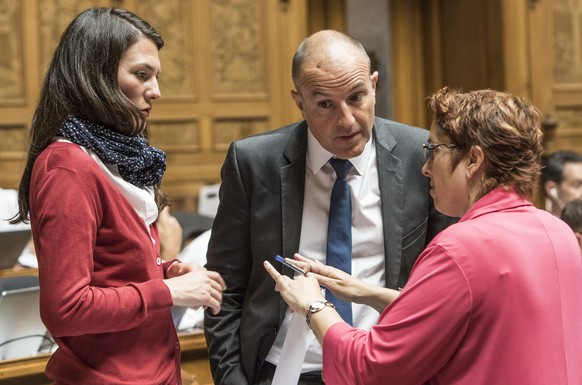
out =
column 91, row 192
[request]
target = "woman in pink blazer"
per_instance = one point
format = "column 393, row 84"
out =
column 494, row 299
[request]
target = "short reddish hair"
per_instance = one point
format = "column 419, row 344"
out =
column 506, row 127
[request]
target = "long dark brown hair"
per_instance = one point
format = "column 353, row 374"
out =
column 81, row 80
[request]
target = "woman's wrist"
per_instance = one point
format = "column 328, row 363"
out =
column 378, row 298
column 315, row 308
column 322, row 320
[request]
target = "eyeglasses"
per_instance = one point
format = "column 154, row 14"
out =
column 430, row 147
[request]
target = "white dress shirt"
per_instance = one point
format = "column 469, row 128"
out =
column 367, row 232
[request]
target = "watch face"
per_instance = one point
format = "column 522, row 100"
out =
column 316, row 306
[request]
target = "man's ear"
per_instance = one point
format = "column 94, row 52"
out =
column 297, row 99
column 550, row 186
column 374, row 80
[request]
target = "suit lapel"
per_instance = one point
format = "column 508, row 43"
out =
column 392, row 196
column 292, row 190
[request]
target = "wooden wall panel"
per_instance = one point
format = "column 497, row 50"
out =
column 176, row 135
column 227, row 129
column 471, row 44
column 11, row 150
column 226, row 73
column 223, row 85
column 408, row 62
column 238, row 50
column 327, row 14
column 11, row 56
column 54, row 16
column 531, row 48
column 15, row 99
column 175, row 20
column 567, row 74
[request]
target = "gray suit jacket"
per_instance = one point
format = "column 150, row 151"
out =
column 259, row 216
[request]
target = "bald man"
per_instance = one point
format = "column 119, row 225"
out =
column 275, row 198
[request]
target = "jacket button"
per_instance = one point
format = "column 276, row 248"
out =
column 158, row 261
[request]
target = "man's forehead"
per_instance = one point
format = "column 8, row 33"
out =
column 573, row 170
column 320, row 79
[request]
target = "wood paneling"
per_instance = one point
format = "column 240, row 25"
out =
column 566, row 85
column 226, row 73
column 530, row 48
column 408, row 62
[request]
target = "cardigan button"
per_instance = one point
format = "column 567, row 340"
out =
column 158, row 261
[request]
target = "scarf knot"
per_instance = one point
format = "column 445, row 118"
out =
column 138, row 163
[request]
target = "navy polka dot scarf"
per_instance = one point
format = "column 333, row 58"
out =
column 138, row 163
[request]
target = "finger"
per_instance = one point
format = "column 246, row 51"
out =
column 301, row 258
column 323, row 280
column 272, row 271
column 277, row 277
column 305, row 266
column 308, row 264
column 216, row 294
column 301, row 265
column 216, row 277
column 213, row 303
column 216, row 286
column 174, row 268
column 215, row 307
column 319, row 268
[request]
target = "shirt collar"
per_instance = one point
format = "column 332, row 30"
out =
column 317, row 156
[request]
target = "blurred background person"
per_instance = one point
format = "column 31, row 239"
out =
column 561, row 180
column 170, row 233
column 572, row 215
column 504, row 282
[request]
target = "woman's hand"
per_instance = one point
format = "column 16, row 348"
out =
column 193, row 286
column 346, row 287
column 299, row 293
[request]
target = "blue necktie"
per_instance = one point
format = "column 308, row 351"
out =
column 339, row 231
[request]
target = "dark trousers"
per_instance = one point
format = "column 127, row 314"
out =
column 265, row 376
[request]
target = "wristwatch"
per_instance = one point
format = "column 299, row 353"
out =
column 314, row 308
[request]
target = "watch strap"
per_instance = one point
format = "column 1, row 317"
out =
column 312, row 310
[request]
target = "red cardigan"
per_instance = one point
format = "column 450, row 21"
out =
column 102, row 295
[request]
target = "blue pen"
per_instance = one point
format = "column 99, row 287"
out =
column 290, row 265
